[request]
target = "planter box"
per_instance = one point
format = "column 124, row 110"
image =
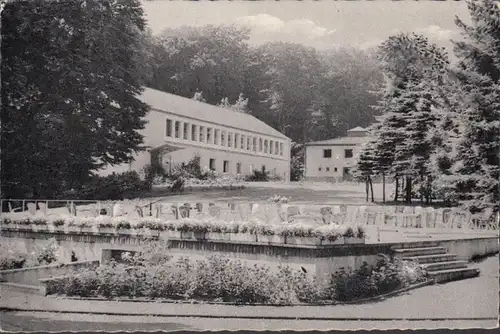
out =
column 39, row 228
column 218, row 236
column 193, row 235
column 354, row 240
column 107, row 230
column 72, row 229
column 150, row 233
column 242, row 237
column 126, row 231
column 19, row 227
column 271, row 239
column 166, row 235
column 312, row 241
column 87, row 230
column 339, row 241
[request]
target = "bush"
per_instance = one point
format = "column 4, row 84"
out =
column 14, row 259
column 114, row 187
column 152, row 273
column 258, row 176
column 297, row 169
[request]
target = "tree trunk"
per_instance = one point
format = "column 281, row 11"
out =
column 422, row 187
column 396, row 195
column 383, row 187
column 408, row 189
column 366, row 188
column 371, row 188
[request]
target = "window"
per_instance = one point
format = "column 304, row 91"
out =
column 319, row 168
column 271, row 147
column 255, row 144
column 168, row 131
column 225, row 167
column 216, row 136
column 209, row 135
column 223, row 138
column 276, row 148
column 266, row 146
column 177, row 124
column 193, row 132
column 327, row 153
column 238, row 168
column 335, row 169
column 212, row 164
column 236, row 140
column 260, row 144
column 229, row 139
column 348, row 153
column 281, row 148
column 327, row 169
column 186, row 131
column 202, row 134
column 248, row 143
column 242, row 142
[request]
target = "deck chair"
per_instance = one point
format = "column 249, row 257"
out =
column 11, row 209
column 43, row 207
column 31, row 208
column 214, row 211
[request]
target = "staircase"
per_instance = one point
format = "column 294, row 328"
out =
column 440, row 265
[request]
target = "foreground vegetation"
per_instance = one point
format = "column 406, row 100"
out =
column 11, row 258
column 154, row 274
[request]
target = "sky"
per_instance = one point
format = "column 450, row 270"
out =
column 322, row 24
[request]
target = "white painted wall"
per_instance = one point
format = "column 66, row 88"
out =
column 314, row 160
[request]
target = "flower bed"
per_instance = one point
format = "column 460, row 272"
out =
column 221, row 279
column 191, row 228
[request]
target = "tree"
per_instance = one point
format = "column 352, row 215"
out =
column 409, row 63
column 71, row 75
column 476, row 165
column 241, row 105
column 366, row 166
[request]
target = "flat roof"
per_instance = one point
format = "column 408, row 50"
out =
column 178, row 105
column 351, row 141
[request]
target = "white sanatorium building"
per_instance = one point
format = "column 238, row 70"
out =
column 331, row 160
column 227, row 141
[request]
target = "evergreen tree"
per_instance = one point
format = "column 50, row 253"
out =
column 476, row 163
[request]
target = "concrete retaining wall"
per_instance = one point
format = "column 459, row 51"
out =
column 321, row 260
column 32, row 275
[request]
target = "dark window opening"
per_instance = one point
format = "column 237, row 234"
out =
column 327, row 153
column 348, row 153
column 212, row 164
column 238, row 168
column 226, row 166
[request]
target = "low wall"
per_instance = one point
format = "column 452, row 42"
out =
column 321, row 260
column 32, row 275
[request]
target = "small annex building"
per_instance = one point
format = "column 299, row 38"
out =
column 332, row 159
column 226, row 141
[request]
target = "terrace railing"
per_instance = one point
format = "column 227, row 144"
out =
column 382, row 216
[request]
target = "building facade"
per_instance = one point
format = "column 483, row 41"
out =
column 226, row 141
column 333, row 159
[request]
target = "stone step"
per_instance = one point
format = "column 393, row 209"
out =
column 449, row 275
column 409, row 252
column 432, row 258
column 416, row 244
column 438, row 266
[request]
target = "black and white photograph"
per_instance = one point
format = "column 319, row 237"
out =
column 249, row 165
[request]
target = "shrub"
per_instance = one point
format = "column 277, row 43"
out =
column 258, row 176
column 15, row 259
column 153, row 273
column 114, row 187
